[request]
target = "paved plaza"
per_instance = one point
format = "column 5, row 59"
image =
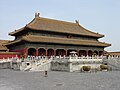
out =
column 18, row 80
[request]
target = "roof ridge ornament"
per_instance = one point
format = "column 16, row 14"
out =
column 37, row 15
column 77, row 22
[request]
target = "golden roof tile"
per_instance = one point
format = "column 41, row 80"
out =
column 52, row 25
column 10, row 53
column 114, row 53
column 2, row 46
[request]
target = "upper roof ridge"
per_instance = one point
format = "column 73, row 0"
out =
column 56, row 20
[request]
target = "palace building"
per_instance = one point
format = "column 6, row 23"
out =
column 49, row 37
column 4, row 51
column 112, row 54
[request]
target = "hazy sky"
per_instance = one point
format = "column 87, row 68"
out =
column 102, row 16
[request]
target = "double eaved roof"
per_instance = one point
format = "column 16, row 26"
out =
column 51, row 25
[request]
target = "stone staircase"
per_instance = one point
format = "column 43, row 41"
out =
column 43, row 66
column 36, row 65
column 113, row 64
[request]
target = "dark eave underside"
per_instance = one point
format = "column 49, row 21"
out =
column 55, row 40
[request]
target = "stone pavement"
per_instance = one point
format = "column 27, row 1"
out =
column 18, row 80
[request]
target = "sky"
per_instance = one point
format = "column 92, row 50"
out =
column 100, row 16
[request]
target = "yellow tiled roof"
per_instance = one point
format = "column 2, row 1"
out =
column 2, row 46
column 10, row 53
column 113, row 53
column 52, row 25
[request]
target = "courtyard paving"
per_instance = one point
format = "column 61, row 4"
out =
column 19, row 80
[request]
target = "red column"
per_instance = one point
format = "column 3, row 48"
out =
column 46, row 52
column 87, row 52
column 54, row 52
column 77, row 52
column 36, row 51
column 65, row 51
column 25, row 52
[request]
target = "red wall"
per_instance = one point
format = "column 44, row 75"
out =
column 5, row 56
column 10, row 54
